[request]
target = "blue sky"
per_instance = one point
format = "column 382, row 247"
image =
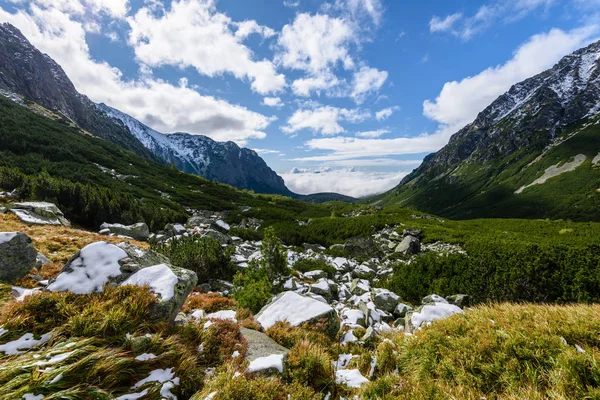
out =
column 338, row 95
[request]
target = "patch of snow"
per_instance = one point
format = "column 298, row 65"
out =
column 145, row 357
column 165, row 390
column 293, row 308
column 431, row 313
column 160, row 278
column 31, row 396
column 158, row 375
column 25, row 342
column 348, row 338
column 268, row 362
column 54, row 360
column 96, row 264
column 555, row 170
column 596, row 160
column 350, row 377
column 207, row 324
column 23, row 292
column 352, row 317
column 228, row 315
column 7, row 236
column 133, row 396
column 198, row 314
column 56, row 379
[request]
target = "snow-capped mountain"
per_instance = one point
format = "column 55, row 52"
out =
column 26, row 71
column 223, row 162
column 512, row 139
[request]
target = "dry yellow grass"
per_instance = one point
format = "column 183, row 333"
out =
column 58, row 243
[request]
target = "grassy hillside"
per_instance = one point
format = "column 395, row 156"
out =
column 95, row 181
column 479, row 191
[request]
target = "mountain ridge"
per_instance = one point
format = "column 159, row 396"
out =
column 511, row 143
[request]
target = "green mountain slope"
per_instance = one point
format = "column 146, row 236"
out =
column 488, row 189
column 95, row 181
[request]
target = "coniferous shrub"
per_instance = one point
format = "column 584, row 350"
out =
column 252, row 289
column 205, row 256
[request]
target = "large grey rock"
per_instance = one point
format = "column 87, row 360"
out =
column 428, row 313
column 461, row 300
column 409, row 245
column 260, row 346
column 298, row 310
column 38, row 213
column 17, row 256
column 139, row 231
column 218, row 236
column 385, row 300
column 362, row 247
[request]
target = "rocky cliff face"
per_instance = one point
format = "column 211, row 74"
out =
column 223, row 162
column 35, row 76
column 540, row 123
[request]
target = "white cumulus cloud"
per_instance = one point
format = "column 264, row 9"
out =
column 323, row 119
column 194, row 34
column 459, row 102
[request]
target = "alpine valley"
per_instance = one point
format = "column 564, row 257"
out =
column 136, row 264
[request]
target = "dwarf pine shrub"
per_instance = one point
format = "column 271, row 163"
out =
column 205, row 256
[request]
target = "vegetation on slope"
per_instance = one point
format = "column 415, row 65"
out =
column 488, row 190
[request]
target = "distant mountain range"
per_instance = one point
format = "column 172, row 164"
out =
column 26, row 71
column 534, row 152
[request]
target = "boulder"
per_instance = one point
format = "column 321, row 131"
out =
column 17, row 256
column 297, row 310
column 433, row 299
column 461, row 300
column 362, row 247
column 409, row 245
column 260, row 347
column 353, row 318
column 322, row 288
column 412, row 232
column 139, row 231
column 39, row 213
column 385, row 300
column 41, row 260
column 175, row 230
column 100, row 264
column 171, row 285
column 218, row 236
column 426, row 314
column 315, row 275
column 401, row 310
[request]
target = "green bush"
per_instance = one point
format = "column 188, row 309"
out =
column 504, row 272
column 274, row 256
column 312, row 264
column 252, row 289
column 205, row 256
column 310, row 365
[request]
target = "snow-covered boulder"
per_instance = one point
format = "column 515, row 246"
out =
column 17, row 256
column 296, row 310
column 39, row 213
column 100, row 264
column 402, row 309
column 315, row 275
column 265, row 355
column 171, row 285
column 429, row 313
column 139, row 231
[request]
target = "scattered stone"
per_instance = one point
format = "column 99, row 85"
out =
column 218, row 236
column 362, row 247
column 385, row 300
column 461, row 300
column 410, row 245
column 402, row 309
column 39, row 213
column 412, row 232
column 433, row 299
column 17, row 256
column 297, row 310
column 139, row 231
column 261, row 346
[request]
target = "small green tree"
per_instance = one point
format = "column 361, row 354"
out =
column 252, row 289
column 274, row 256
